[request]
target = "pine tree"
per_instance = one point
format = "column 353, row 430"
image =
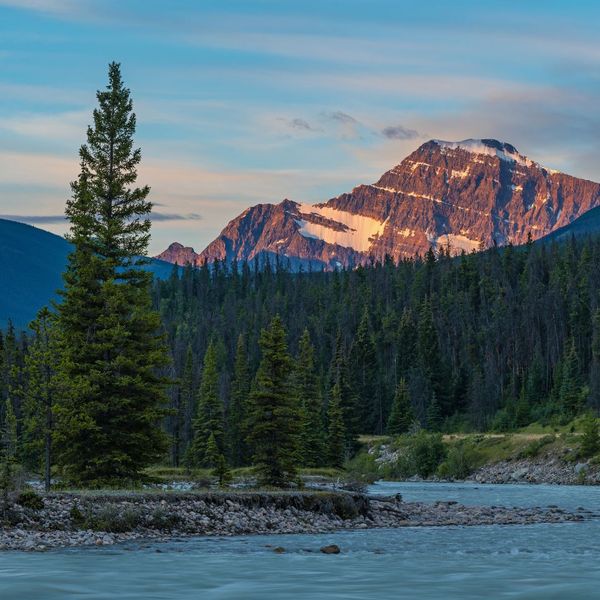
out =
column 570, row 396
column 336, row 434
column 273, row 418
column 363, row 360
column 430, row 359
column 594, row 395
column 311, row 405
column 340, row 376
column 43, row 391
column 11, row 435
column 209, row 418
column 434, row 414
column 222, row 471
column 238, row 407
column 402, row 415
column 184, row 407
column 212, row 453
column 107, row 425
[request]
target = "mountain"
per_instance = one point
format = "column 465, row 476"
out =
column 457, row 195
column 585, row 225
column 31, row 263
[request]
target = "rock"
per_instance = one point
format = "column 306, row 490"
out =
column 331, row 549
column 519, row 473
column 579, row 467
column 279, row 550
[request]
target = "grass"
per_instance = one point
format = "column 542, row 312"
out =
column 530, row 442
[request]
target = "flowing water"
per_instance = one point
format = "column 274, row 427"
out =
column 535, row 561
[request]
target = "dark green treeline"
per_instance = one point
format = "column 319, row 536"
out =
column 494, row 340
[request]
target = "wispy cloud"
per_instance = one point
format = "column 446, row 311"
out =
column 341, row 117
column 301, row 124
column 35, row 219
column 158, row 216
column 398, row 132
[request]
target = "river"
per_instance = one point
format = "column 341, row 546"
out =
column 536, row 561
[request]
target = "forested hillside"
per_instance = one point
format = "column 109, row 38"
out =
column 490, row 340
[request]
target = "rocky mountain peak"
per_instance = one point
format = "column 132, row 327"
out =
column 457, row 195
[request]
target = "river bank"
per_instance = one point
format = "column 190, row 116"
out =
column 70, row 519
column 525, row 457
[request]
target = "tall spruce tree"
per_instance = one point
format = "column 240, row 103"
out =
column 402, row 415
column 184, row 410
column 312, row 448
column 363, row 361
column 209, row 418
column 42, row 392
column 337, row 448
column 274, row 419
column 107, row 425
column 238, row 407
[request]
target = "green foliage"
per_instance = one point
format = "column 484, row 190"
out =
column 312, row 438
column 419, row 454
column 402, row 415
column 363, row 468
column 212, row 454
column 462, row 459
column 534, row 448
column 30, row 499
column 336, row 434
column 209, row 421
column 107, row 417
column 44, row 387
column 222, row 471
column 111, row 518
column 238, row 406
column 273, row 417
column 590, row 440
column 163, row 520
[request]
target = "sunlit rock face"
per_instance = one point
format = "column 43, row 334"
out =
column 461, row 196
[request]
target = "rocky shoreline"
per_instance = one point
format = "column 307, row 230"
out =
column 550, row 470
column 68, row 519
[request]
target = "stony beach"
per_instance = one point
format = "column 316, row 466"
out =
column 68, row 519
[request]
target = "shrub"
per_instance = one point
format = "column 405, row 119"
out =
column 421, row 455
column 112, row 518
column 363, row 468
column 163, row 519
column 590, row 440
column 428, row 451
column 30, row 499
column 461, row 461
column 533, row 448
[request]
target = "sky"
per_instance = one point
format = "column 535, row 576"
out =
column 251, row 101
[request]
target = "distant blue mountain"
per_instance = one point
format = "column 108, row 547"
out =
column 31, row 263
column 586, row 225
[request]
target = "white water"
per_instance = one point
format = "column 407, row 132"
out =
column 537, row 561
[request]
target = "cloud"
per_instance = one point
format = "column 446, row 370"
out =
column 301, row 124
column 54, row 219
column 398, row 132
column 175, row 217
column 54, row 7
column 35, row 219
column 341, row 117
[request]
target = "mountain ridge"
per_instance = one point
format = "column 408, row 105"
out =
column 462, row 195
column 32, row 262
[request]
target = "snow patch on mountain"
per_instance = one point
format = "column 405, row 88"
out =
column 501, row 150
column 355, row 231
column 453, row 241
